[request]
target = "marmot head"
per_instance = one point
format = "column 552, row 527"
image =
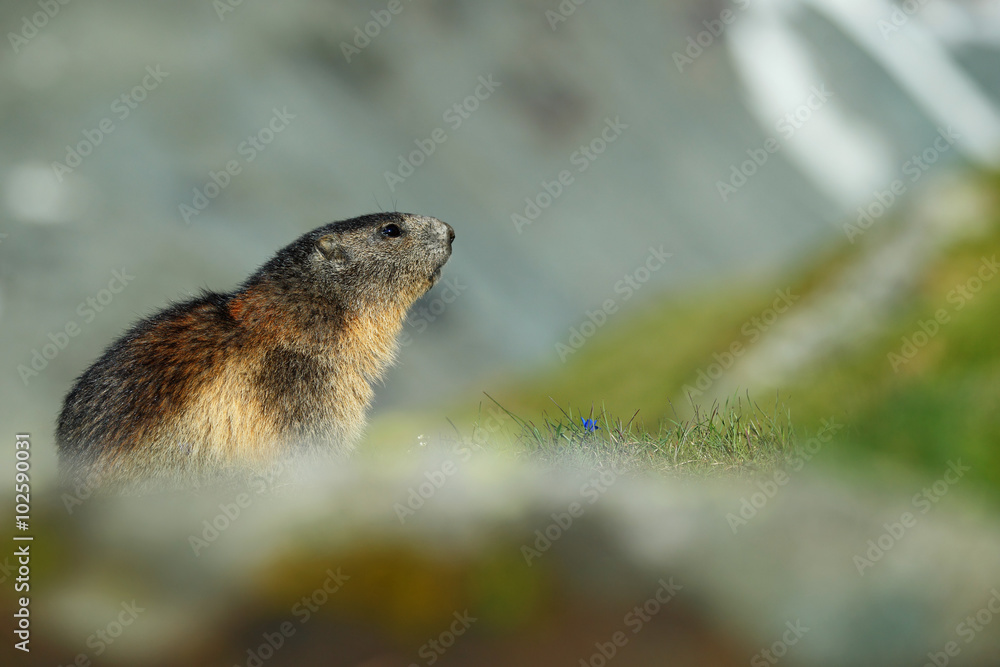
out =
column 383, row 259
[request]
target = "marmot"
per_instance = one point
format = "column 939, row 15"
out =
column 226, row 384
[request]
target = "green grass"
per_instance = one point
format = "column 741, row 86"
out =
column 735, row 438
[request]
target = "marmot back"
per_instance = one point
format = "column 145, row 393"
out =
column 229, row 384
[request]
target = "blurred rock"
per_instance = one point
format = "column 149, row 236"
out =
column 368, row 566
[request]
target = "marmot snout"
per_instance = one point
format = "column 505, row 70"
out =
column 231, row 383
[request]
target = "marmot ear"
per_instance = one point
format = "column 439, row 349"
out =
column 331, row 248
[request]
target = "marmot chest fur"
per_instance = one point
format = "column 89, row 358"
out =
column 233, row 383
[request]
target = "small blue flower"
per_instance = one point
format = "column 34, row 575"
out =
column 590, row 424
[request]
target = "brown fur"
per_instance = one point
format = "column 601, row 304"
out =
column 230, row 384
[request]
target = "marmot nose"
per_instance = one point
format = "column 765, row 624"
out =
column 451, row 233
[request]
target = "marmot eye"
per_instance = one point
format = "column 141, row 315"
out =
column 391, row 231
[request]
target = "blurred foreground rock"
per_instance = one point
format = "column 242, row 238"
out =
column 463, row 559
